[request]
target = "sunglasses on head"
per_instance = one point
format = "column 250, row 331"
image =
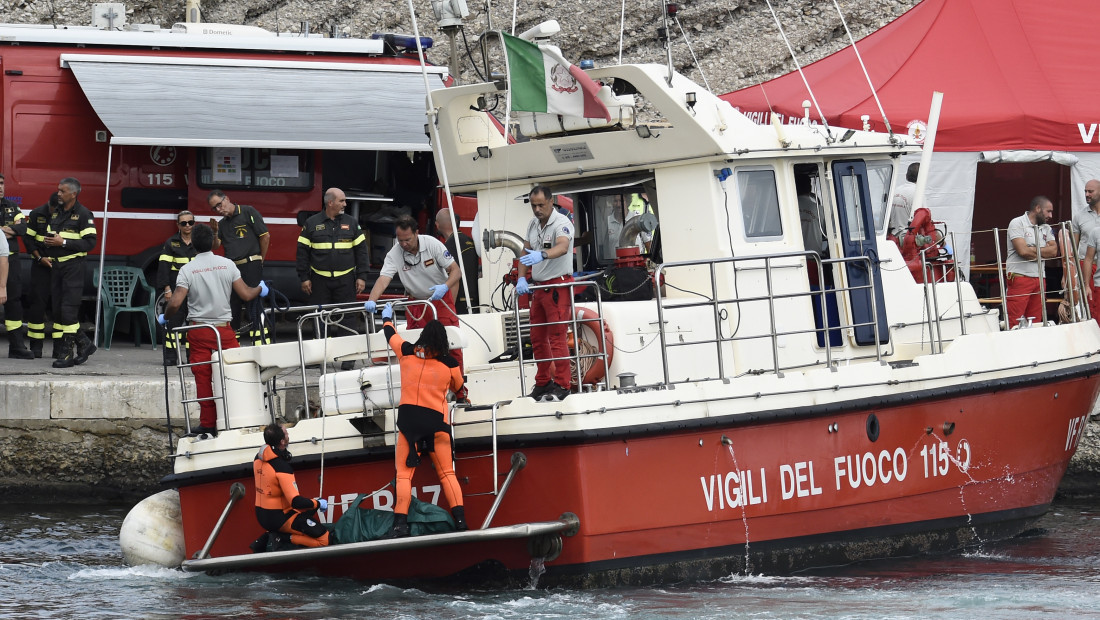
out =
column 186, row 222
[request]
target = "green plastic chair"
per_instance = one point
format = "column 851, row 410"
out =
column 120, row 286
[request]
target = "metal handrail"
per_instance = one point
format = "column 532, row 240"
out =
column 177, row 334
column 770, row 297
column 574, row 323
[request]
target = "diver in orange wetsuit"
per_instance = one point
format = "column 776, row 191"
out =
column 423, row 417
column 279, row 507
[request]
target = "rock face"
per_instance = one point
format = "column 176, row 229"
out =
column 726, row 44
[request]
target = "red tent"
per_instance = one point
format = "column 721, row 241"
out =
column 1016, row 74
column 1019, row 86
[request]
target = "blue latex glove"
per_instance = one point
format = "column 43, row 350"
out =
column 387, row 312
column 324, row 505
column 370, row 307
column 438, row 291
column 263, row 289
column 161, row 320
column 533, row 257
column 521, row 286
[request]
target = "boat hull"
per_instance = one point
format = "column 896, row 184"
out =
column 769, row 493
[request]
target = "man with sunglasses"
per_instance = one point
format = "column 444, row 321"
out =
column 177, row 252
column 427, row 271
column 244, row 239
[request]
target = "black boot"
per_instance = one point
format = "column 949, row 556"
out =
column 17, row 348
column 459, row 513
column 400, row 527
column 84, row 348
column 170, row 358
column 57, row 347
column 64, row 349
column 36, row 346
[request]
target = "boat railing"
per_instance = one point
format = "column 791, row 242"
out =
column 579, row 359
column 769, row 264
column 493, row 452
column 178, row 335
column 991, row 280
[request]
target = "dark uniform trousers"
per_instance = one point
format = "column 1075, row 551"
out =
column 338, row 290
column 251, row 272
column 41, row 282
column 66, row 289
column 13, row 307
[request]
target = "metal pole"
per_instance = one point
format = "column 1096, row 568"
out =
column 1001, row 276
column 958, row 287
column 519, row 461
column 236, row 492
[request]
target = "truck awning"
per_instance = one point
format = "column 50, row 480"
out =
column 158, row 100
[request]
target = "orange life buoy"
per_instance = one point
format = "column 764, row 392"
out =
column 590, row 319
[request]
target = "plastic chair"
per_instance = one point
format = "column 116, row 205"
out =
column 120, row 285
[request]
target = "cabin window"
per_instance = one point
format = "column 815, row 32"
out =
column 611, row 211
column 878, row 180
column 848, row 187
column 255, row 169
column 759, row 204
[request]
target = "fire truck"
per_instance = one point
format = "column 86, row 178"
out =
column 150, row 120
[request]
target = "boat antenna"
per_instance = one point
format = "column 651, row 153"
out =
column 865, row 74
column 676, row 18
column 828, row 132
column 515, row 9
column 622, row 29
column 488, row 14
column 53, row 15
column 663, row 35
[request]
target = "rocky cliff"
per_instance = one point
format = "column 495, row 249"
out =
column 726, row 44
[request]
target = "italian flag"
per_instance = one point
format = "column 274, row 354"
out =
column 541, row 80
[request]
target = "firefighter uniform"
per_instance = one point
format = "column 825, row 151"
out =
column 240, row 234
column 11, row 216
column 175, row 254
column 76, row 228
column 39, row 288
column 332, row 255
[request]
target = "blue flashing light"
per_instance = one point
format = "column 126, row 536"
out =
column 587, row 64
column 404, row 41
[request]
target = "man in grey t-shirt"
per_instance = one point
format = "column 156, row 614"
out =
column 205, row 284
column 1029, row 237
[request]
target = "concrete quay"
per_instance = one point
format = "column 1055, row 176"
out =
column 99, row 430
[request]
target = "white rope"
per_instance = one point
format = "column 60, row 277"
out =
column 824, row 122
column 692, row 51
column 864, row 67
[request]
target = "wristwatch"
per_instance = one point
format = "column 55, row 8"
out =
column 545, row 255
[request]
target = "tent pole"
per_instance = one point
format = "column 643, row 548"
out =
column 926, row 152
column 103, row 243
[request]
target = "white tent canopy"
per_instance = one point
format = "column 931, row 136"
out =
column 157, row 100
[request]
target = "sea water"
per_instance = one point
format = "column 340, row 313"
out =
column 65, row 562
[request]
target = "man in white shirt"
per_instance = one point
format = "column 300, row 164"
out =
column 1029, row 237
column 901, row 209
column 548, row 247
column 427, row 271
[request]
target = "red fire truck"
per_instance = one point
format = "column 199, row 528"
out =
column 151, row 120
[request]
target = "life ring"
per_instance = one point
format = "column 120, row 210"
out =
column 589, row 318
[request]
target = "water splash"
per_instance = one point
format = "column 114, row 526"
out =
column 536, row 570
column 744, row 511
